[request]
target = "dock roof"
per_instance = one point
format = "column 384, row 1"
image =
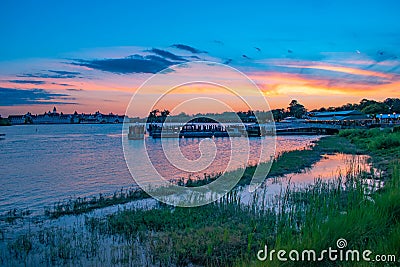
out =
column 337, row 113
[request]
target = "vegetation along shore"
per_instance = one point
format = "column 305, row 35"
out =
column 229, row 232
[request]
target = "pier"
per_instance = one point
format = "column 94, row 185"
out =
column 306, row 129
column 199, row 130
column 195, row 130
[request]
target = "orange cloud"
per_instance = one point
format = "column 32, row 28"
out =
column 277, row 83
column 111, row 93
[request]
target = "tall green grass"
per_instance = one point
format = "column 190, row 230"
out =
column 366, row 222
column 382, row 144
column 230, row 233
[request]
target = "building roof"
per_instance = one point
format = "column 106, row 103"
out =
column 388, row 116
column 337, row 113
column 340, row 118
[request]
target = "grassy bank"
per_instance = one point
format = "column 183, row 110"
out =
column 223, row 233
column 366, row 223
column 383, row 145
column 230, row 233
column 83, row 205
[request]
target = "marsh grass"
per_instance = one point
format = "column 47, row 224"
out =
column 83, row 205
column 229, row 232
column 382, row 144
column 366, row 222
column 12, row 215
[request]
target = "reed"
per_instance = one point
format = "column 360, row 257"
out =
column 229, row 232
column 84, row 205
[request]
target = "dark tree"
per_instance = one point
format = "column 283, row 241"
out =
column 393, row 104
column 296, row 109
column 279, row 114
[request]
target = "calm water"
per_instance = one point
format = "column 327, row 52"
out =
column 329, row 168
column 42, row 164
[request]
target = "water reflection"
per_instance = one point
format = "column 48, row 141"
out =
column 42, row 164
column 330, row 167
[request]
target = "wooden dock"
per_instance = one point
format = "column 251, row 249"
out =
column 306, row 129
column 256, row 130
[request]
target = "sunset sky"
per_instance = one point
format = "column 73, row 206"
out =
column 94, row 56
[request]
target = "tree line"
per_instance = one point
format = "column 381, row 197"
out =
column 366, row 106
column 294, row 109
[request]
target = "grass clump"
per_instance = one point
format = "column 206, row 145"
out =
column 83, row 205
column 366, row 222
column 382, row 144
column 215, row 234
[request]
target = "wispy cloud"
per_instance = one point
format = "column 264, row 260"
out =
column 347, row 70
column 166, row 54
column 61, row 84
column 279, row 84
column 52, row 74
column 15, row 97
column 74, row 89
column 188, row 48
column 132, row 64
column 27, row 82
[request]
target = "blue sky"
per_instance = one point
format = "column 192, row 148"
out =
column 248, row 35
column 52, row 28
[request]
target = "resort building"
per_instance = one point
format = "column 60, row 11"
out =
column 388, row 118
column 16, row 119
column 59, row 118
column 348, row 117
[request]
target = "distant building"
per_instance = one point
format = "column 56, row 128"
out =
column 101, row 118
column 338, row 116
column 292, row 120
column 59, row 118
column 16, row 119
column 387, row 118
column 51, row 118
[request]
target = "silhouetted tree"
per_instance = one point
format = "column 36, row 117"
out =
column 279, row 114
column 393, row 104
column 157, row 116
column 296, row 109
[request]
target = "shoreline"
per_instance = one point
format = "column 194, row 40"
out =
column 228, row 232
column 294, row 161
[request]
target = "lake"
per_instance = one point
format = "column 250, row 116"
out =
column 43, row 164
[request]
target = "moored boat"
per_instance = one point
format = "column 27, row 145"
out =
column 136, row 132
